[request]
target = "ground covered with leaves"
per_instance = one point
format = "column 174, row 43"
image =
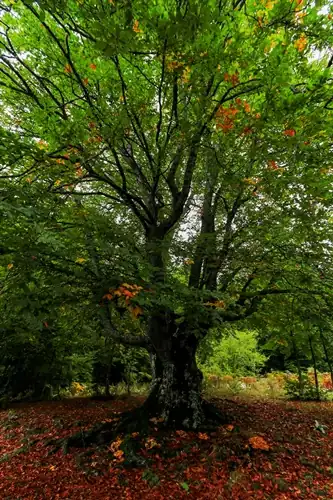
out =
column 277, row 450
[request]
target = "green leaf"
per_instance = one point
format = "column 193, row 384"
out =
column 185, row 486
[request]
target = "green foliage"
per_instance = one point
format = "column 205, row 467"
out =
column 184, row 147
column 304, row 390
column 236, row 353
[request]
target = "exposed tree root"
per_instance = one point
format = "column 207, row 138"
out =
column 138, row 420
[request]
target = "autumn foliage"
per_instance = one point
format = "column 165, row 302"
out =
column 126, row 293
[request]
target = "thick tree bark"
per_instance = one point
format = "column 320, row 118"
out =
column 175, row 397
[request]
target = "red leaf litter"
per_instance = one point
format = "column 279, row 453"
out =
column 269, row 450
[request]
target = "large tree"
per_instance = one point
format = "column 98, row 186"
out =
column 204, row 130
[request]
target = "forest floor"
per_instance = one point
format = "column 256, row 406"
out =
column 270, row 450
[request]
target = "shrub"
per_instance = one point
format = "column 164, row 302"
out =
column 76, row 388
column 327, row 382
column 236, row 354
column 303, row 392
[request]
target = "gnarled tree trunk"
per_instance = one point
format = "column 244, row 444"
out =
column 176, row 396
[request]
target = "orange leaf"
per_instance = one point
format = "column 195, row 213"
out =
column 234, row 79
column 259, row 443
column 10, row 266
column 85, row 81
column 203, row 436
column 301, row 43
column 290, row 132
column 136, row 27
column 68, row 69
column 93, row 66
column 273, row 165
column 247, row 107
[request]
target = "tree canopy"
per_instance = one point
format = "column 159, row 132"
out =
column 165, row 167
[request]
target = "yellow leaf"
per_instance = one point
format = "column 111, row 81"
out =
column 136, row 311
column 10, row 266
column 80, row 260
column 270, row 5
column 186, row 74
column 189, row 262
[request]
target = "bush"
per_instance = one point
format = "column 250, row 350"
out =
column 302, row 392
column 234, row 355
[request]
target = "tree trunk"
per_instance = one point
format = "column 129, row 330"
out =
column 327, row 357
column 314, row 368
column 175, row 399
column 175, row 395
column 107, row 386
column 299, row 370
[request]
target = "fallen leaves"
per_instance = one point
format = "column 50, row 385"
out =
column 259, row 443
column 181, row 465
